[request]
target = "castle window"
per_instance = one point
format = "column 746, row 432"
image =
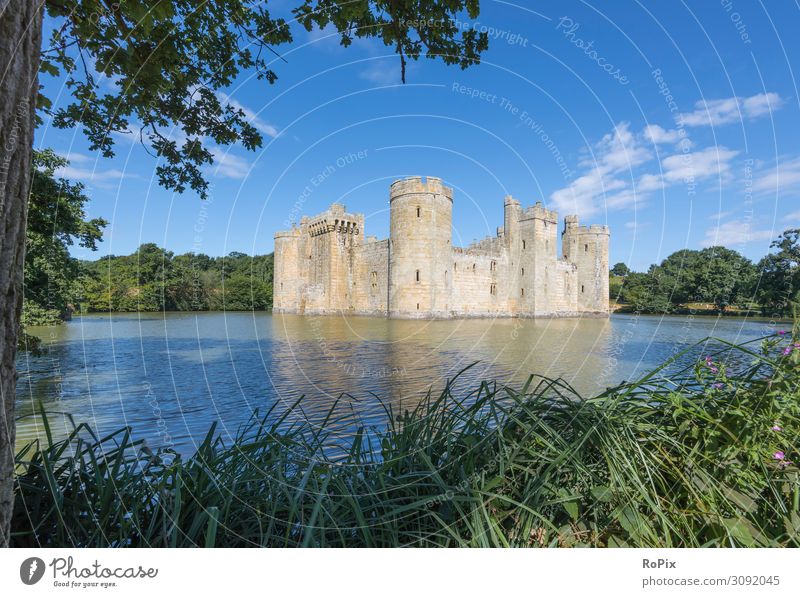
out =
column 523, row 271
column 522, row 292
column 418, row 211
column 473, row 267
column 455, row 266
column 523, row 244
column 417, row 306
column 374, row 280
column 581, row 288
column 493, row 267
column 585, row 248
column 493, row 289
column 417, row 275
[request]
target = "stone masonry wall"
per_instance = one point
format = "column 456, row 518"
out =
column 325, row 265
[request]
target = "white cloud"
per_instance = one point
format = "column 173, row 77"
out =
column 253, row 118
column 733, row 109
column 785, row 175
column 793, row 217
column 735, row 232
column 75, row 158
column 228, row 165
column 86, row 173
column 711, row 162
column 383, row 72
column 616, row 153
column 657, row 135
column 607, row 182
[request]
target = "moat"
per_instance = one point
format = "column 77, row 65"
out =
column 170, row 376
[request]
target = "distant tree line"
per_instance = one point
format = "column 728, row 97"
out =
column 150, row 279
column 717, row 278
column 154, row 279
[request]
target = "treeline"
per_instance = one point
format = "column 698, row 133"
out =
column 715, row 278
column 150, row 279
column 154, row 279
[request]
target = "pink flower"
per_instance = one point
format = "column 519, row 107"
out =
column 719, row 386
column 779, row 455
column 782, row 333
column 714, row 370
column 787, row 351
column 777, row 427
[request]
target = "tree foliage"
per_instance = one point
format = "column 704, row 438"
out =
column 154, row 279
column 56, row 221
column 715, row 276
column 171, row 62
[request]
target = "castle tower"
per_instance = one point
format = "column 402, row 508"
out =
column 286, row 278
column 587, row 247
column 537, row 251
column 420, row 250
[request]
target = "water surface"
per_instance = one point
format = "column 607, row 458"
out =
column 169, row 376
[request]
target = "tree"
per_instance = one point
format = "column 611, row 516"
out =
column 170, row 63
column 778, row 275
column 722, row 277
column 20, row 40
column 620, row 269
column 56, row 220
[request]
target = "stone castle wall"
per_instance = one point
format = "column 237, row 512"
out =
column 325, row 265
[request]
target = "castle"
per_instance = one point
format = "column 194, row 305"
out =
column 327, row 266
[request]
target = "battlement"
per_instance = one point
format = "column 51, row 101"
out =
column 593, row 229
column 327, row 265
column 419, row 184
column 293, row 233
column 539, row 212
column 334, row 219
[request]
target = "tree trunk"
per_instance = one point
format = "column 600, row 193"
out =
column 20, row 42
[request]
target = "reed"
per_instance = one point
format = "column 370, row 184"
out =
column 693, row 454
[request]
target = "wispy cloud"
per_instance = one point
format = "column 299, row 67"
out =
column 253, row 118
column 228, row 165
column 384, row 72
column 619, row 159
column 735, row 232
column 732, row 109
column 793, row 218
column 617, row 152
column 658, row 136
column 80, row 169
column 784, row 176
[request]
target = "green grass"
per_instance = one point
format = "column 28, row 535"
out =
column 683, row 457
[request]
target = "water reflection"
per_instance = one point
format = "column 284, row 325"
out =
column 169, row 376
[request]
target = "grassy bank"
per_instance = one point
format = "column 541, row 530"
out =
column 686, row 456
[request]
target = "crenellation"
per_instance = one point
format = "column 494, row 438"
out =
column 327, row 265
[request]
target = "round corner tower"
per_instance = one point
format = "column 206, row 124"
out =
column 420, row 249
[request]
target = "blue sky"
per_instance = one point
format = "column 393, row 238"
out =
column 676, row 124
